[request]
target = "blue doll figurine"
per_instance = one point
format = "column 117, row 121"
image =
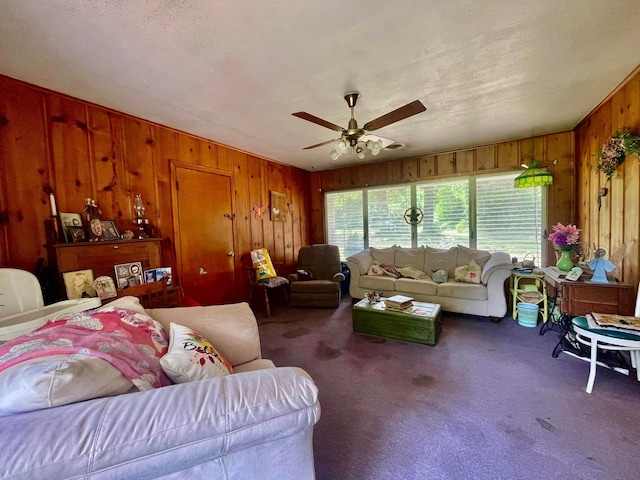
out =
column 600, row 267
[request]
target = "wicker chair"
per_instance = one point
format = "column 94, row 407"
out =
column 320, row 284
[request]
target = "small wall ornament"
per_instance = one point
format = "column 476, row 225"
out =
column 259, row 211
column 614, row 152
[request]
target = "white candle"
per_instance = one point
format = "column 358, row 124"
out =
column 54, row 211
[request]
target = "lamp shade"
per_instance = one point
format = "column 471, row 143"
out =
column 533, row 176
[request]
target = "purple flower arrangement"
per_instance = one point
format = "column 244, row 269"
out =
column 565, row 237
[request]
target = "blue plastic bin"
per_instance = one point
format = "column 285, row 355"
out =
column 527, row 314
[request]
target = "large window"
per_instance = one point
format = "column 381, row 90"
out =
column 484, row 212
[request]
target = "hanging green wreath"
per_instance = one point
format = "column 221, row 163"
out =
column 613, row 153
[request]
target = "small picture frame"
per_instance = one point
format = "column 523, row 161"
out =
column 278, row 207
column 69, row 220
column 150, row 276
column 110, row 230
column 163, row 273
column 78, row 234
column 79, row 284
column 128, row 274
column 574, row 274
column 105, row 287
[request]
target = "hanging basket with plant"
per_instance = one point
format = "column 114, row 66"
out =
column 613, row 153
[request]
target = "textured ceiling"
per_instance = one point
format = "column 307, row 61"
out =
column 234, row 71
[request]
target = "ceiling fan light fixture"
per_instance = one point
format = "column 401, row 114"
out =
column 335, row 154
column 374, row 146
column 341, row 146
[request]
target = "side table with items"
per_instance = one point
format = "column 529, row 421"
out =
column 580, row 297
column 529, row 287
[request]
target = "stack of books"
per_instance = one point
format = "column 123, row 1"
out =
column 398, row 302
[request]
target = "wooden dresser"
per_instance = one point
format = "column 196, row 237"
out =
column 101, row 258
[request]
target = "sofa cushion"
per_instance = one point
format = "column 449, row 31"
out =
column 375, row 269
column 424, row 286
column 58, row 380
column 384, row 255
column 363, row 260
column 315, row 286
column 376, row 283
column 465, row 255
column 468, row 273
column 215, row 322
column 410, row 257
column 191, row 357
column 467, row 291
column 441, row 261
column 410, row 272
column 439, row 276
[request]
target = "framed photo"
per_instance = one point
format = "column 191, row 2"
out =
column 79, row 284
column 78, row 234
column 110, row 230
column 150, row 276
column 105, row 287
column 162, row 273
column 278, row 207
column 69, row 220
column 128, row 274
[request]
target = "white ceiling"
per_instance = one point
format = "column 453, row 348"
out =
column 234, row 71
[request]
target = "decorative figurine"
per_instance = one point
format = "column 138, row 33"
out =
column 92, row 213
column 140, row 221
column 600, row 267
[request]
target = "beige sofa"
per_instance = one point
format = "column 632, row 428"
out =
column 486, row 298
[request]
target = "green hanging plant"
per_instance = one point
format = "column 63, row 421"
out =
column 613, row 153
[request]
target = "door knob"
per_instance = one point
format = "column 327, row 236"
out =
column 231, row 254
column 203, row 271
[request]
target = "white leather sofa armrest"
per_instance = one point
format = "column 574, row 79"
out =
column 498, row 261
column 157, row 432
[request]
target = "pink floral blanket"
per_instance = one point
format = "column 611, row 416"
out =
column 130, row 341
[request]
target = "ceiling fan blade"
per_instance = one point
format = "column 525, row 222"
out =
column 395, row 116
column 321, row 144
column 318, row 121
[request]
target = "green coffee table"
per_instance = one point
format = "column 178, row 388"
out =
column 422, row 325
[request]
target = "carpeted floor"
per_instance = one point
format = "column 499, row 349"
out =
column 487, row 402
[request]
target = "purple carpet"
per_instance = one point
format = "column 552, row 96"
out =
column 487, row 402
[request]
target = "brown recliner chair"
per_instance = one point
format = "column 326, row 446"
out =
column 318, row 280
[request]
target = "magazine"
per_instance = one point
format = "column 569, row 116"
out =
column 611, row 320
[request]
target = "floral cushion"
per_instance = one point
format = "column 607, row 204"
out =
column 468, row 273
column 375, row 269
column 191, row 357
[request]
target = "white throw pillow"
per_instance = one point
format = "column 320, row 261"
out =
column 375, row 269
column 191, row 357
column 58, row 380
column 411, row 272
column 468, row 273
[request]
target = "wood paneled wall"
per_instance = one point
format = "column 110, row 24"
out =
column 51, row 142
column 615, row 221
column 555, row 151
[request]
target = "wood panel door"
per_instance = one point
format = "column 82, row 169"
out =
column 204, row 232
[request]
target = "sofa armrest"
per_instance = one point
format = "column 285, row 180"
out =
column 498, row 261
column 361, row 261
column 338, row 277
column 157, row 432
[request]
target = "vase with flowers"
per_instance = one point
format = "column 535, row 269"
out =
column 565, row 239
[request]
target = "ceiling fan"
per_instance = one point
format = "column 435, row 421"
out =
column 355, row 137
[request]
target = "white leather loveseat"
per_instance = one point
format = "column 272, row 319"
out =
column 486, row 298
